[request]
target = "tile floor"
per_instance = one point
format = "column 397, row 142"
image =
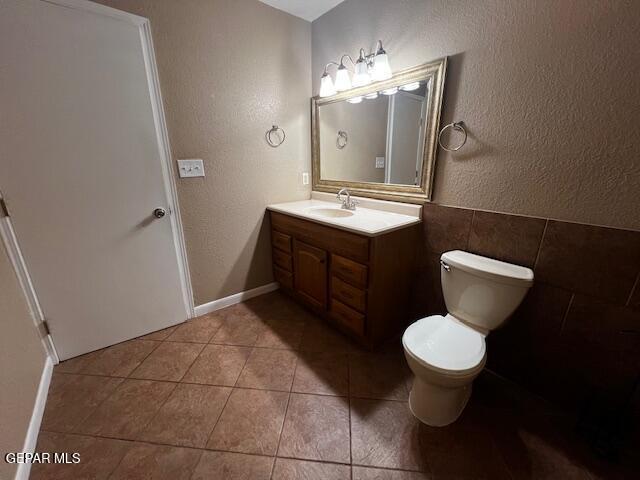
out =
column 264, row 390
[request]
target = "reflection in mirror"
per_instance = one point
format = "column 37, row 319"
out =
column 375, row 138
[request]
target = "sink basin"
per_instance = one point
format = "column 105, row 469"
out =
column 330, row 212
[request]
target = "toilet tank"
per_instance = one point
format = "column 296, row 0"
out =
column 481, row 291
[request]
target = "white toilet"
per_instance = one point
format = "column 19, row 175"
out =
column 447, row 353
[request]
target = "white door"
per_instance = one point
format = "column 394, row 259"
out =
column 405, row 113
column 82, row 168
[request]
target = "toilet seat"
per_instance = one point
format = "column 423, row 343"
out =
column 446, row 345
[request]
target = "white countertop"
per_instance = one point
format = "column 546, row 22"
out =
column 371, row 217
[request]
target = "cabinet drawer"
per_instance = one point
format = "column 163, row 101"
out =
column 281, row 241
column 353, row 272
column 282, row 260
column 283, row 277
column 350, row 295
column 346, row 244
column 347, row 316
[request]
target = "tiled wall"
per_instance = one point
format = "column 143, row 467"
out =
column 579, row 326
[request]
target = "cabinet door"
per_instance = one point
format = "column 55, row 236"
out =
column 310, row 265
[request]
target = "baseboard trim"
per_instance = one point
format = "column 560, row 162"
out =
column 235, row 298
column 31, row 440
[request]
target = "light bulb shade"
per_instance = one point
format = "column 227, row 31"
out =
column 381, row 67
column 410, row 86
column 326, row 86
column 343, row 82
column 390, row 91
column 371, row 96
column 354, row 100
column 361, row 76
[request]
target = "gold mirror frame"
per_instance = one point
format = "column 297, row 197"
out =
column 435, row 71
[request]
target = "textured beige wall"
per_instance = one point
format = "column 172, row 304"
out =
column 22, row 358
column 366, row 127
column 548, row 89
column 228, row 71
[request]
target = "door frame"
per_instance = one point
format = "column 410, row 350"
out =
column 168, row 172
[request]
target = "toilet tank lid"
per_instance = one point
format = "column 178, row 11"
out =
column 495, row 270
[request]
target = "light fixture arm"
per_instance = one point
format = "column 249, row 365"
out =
column 347, row 56
column 326, row 72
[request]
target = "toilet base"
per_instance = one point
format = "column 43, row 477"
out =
column 435, row 405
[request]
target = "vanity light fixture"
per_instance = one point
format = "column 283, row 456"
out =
column 326, row 84
column 354, row 100
column 371, row 96
column 369, row 67
column 390, row 91
column 343, row 81
column 410, row 86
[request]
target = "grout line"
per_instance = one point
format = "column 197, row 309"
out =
column 633, row 289
column 473, row 216
column 566, row 313
column 232, row 388
column 284, row 418
column 205, row 449
column 544, row 232
column 216, row 385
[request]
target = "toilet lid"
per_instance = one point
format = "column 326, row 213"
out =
column 445, row 343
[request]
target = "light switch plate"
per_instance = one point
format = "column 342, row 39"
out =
column 190, row 167
column 305, row 178
column 379, row 162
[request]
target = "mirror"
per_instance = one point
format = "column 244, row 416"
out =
column 380, row 140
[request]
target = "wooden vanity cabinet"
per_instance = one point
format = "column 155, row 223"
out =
column 358, row 283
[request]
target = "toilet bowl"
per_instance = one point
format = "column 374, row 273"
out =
column 446, row 353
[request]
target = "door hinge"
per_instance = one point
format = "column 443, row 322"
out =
column 4, row 211
column 44, row 328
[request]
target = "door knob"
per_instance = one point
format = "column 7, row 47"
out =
column 159, row 212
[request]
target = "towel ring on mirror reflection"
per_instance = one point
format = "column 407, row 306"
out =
column 459, row 126
column 280, row 140
column 342, row 139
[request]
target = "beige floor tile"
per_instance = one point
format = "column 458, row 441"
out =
column 159, row 334
column 251, row 422
column 288, row 469
column 316, row 428
column 98, row 457
column 199, row 330
column 72, row 398
column 320, row 337
column 385, row 434
column 75, row 364
column 170, row 361
column 285, row 333
column 325, row 373
column 157, row 462
column 378, row 376
column 243, row 329
column 121, row 359
column 188, row 416
column 218, row 365
column 128, row 410
column 268, row 369
column 367, row 473
column 233, row 466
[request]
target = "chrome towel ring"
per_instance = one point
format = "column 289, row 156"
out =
column 459, row 126
column 278, row 140
column 342, row 139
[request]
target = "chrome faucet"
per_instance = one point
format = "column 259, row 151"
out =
column 347, row 203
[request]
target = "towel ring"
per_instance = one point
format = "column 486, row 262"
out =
column 270, row 132
column 342, row 139
column 459, row 126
